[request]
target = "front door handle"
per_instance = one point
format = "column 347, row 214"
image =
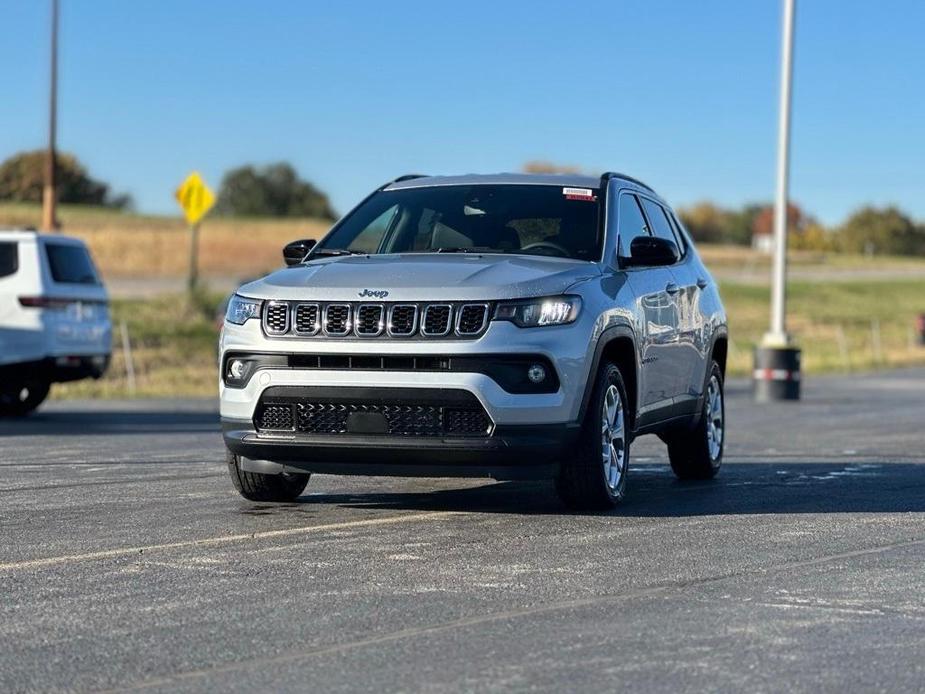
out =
column 701, row 282
column 672, row 288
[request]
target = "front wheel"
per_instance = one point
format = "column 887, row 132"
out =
column 595, row 478
column 698, row 454
column 259, row 487
column 21, row 399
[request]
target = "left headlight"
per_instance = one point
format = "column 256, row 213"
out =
column 241, row 309
column 554, row 310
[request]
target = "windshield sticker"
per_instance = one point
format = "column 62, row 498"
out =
column 579, row 194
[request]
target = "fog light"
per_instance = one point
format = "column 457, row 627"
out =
column 237, row 369
column 536, row 373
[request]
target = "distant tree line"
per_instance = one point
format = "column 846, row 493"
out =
column 869, row 230
column 22, row 179
column 270, row 191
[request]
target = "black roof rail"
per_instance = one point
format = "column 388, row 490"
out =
column 607, row 175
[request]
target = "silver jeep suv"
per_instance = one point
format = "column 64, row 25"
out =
column 510, row 326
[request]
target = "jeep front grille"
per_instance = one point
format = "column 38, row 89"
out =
column 403, row 320
column 471, row 319
column 436, row 322
column 376, row 320
column 337, row 319
column 307, row 319
column 276, row 318
column 369, row 320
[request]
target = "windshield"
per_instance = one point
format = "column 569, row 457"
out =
column 531, row 219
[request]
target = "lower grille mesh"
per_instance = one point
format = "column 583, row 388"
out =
column 402, row 419
column 275, row 418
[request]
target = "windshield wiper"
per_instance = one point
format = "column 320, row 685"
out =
column 325, row 252
column 465, row 249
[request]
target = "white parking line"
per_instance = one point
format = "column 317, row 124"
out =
column 222, row 539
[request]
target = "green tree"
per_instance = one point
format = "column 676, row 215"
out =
column 881, row 231
column 705, row 221
column 22, row 179
column 271, row 191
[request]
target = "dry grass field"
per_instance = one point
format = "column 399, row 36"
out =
column 130, row 245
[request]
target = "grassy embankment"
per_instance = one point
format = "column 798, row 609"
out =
column 127, row 245
column 173, row 337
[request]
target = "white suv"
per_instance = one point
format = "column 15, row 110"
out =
column 54, row 317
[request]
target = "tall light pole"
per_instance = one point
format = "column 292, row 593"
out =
column 49, row 196
column 777, row 360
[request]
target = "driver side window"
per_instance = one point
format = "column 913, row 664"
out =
column 630, row 223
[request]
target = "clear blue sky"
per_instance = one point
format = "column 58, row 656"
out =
column 681, row 94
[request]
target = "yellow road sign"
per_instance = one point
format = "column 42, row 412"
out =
column 194, row 197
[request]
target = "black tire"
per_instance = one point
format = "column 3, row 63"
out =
column 259, row 487
column 690, row 451
column 582, row 483
column 20, row 400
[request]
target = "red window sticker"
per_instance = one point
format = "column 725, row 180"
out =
column 585, row 194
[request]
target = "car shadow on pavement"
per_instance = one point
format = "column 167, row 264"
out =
column 740, row 489
column 80, row 423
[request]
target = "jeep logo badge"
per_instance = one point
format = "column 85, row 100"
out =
column 373, row 293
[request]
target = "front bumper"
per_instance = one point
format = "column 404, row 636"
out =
column 529, row 433
column 511, row 452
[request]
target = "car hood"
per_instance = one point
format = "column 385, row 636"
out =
column 422, row 277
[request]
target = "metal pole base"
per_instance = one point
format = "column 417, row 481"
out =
column 777, row 374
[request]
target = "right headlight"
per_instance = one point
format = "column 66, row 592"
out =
column 240, row 309
column 532, row 313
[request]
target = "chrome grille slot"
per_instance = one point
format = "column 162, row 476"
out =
column 403, row 320
column 306, row 321
column 276, row 318
column 337, row 319
column 470, row 319
column 436, row 321
column 369, row 320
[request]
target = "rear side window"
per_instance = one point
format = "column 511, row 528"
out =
column 70, row 264
column 630, row 223
column 661, row 227
column 9, row 258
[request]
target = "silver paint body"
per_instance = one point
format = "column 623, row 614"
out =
column 673, row 331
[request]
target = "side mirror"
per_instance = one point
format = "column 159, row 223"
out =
column 648, row 251
column 295, row 252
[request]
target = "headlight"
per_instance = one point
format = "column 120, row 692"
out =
column 555, row 310
column 240, row 309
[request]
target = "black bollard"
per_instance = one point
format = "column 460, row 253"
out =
column 777, row 374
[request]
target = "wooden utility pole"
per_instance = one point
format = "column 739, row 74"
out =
column 49, row 197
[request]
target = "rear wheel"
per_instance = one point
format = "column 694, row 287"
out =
column 698, row 454
column 259, row 487
column 595, row 478
column 21, row 399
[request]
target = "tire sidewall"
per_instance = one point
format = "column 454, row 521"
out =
column 717, row 372
column 609, row 375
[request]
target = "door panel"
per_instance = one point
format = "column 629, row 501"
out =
column 657, row 332
column 691, row 330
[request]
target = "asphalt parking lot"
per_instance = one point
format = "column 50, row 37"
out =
column 128, row 561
